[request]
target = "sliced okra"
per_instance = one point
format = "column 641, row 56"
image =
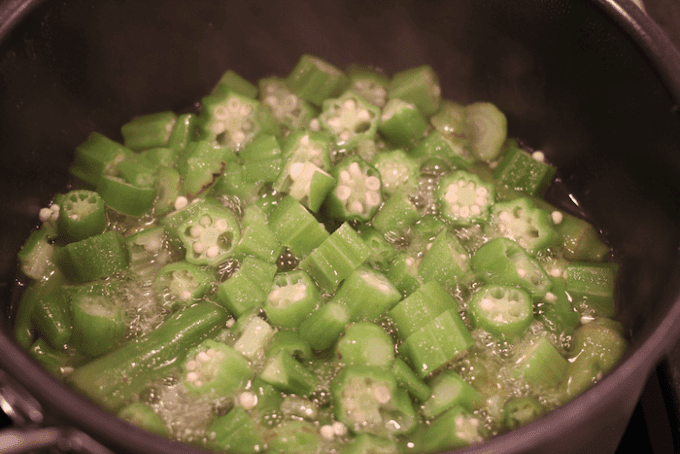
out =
column 464, row 199
column 401, row 123
column 183, row 282
column 257, row 239
column 455, row 428
column 234, row 432
column 504, row 311
column 540, row 364
column 38, row 257
column 296, row 228
column 357, row 193
column 593, row 285
column 255, row 335
column 369, row 84
column 368, row 400
column 183, row 132
column 522, row 221
column 288, row 109
column 349, row 119
column 248, row 288
column 82, row 215
column 523, row 171
column 323, row 327
column 398, row 171
column 125, row 197
column 418, row 86
column 239, row 84
column 449, row 389
column 210, row 235
column 365, row 344
column 292, row 298
column 228, row 118
column 94, row 257
column 261, row 159
column 288, row 375
column 315, row 80
column 503, row 261
column 142, row 415
column 453, row 150
column 97, row 156
column 367, row 293
column 99, row 322
column 487, row 129
column 446, row 261
column 215, row 369
column 148, row 131
column 521, row 410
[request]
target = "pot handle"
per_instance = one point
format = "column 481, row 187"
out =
column 28, row 433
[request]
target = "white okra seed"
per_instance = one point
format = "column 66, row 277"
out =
column 373, row 183
column 343, row 192
column 213, row 251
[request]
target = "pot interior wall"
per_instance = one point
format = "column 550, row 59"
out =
column 571, row 82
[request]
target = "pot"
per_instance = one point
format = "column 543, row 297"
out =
column 594, row 84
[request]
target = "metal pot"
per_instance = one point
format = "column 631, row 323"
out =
column 594, row 84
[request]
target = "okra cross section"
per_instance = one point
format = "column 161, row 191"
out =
column 82, row 215
column 216, row 369
column 464, row 199
column 368, row 400
column 358, row 190
column 350, row 119
column 504, row 311
column 521, row 220
column 209, row 236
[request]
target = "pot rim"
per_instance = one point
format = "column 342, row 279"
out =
column 638, row 362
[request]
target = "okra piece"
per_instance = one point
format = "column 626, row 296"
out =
column 148, row 251
column 403, row 272
column 23, row 320
column 234, row 432
column 382, row 251
column 315, row 80
column 125, row 197
column 113, row 379
column 367, row 293
column 168, row 184
column 503, row 311
column 420, row 307
column 183, row 283
column 255, row 337
column 446, row 261
column 292, row 343
column 200, row 165
column 370, row 84
column 396, row 215
column 365, row 344
column 524, row 172
column 368, row 400
column 335, row 259
column 580, row 239
column 215, row 369
column 287, row 108
column 556, row 310
column 99, row 322
column 437, row 145
column 456, row 428
column 407, row 379
column 597, row 347
column 464, row 199
column 449, row 121
column 296, row 228
column 503, row 261
column 148, row 131
column 593, row 285
column 228, row 118
column 520, row 411
column 262, row 159
column 288, row 375
column 97, row 156
column 137, row 170
column 304, row 174
column 357, row 192
column 248, row 288
column 398, row 171
column 321, row 329
column 367, row 443
column 94, row 257
column 141, row 415
column 82, row 215
column 424, row 232
column 38, row 256
column 521, row 220
column 257, row 239
column 449, row 390
column 52, row 319
column 439, row 341
column 210, row 235
column 349, row 119
column 233, row 182
column 540, row 364
column 401, row 123
column 236, row 82
column 418, row 86
column 292, row 298
column 160, row 156
column 487, row 129
column 300, row 437
column 183, row 132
